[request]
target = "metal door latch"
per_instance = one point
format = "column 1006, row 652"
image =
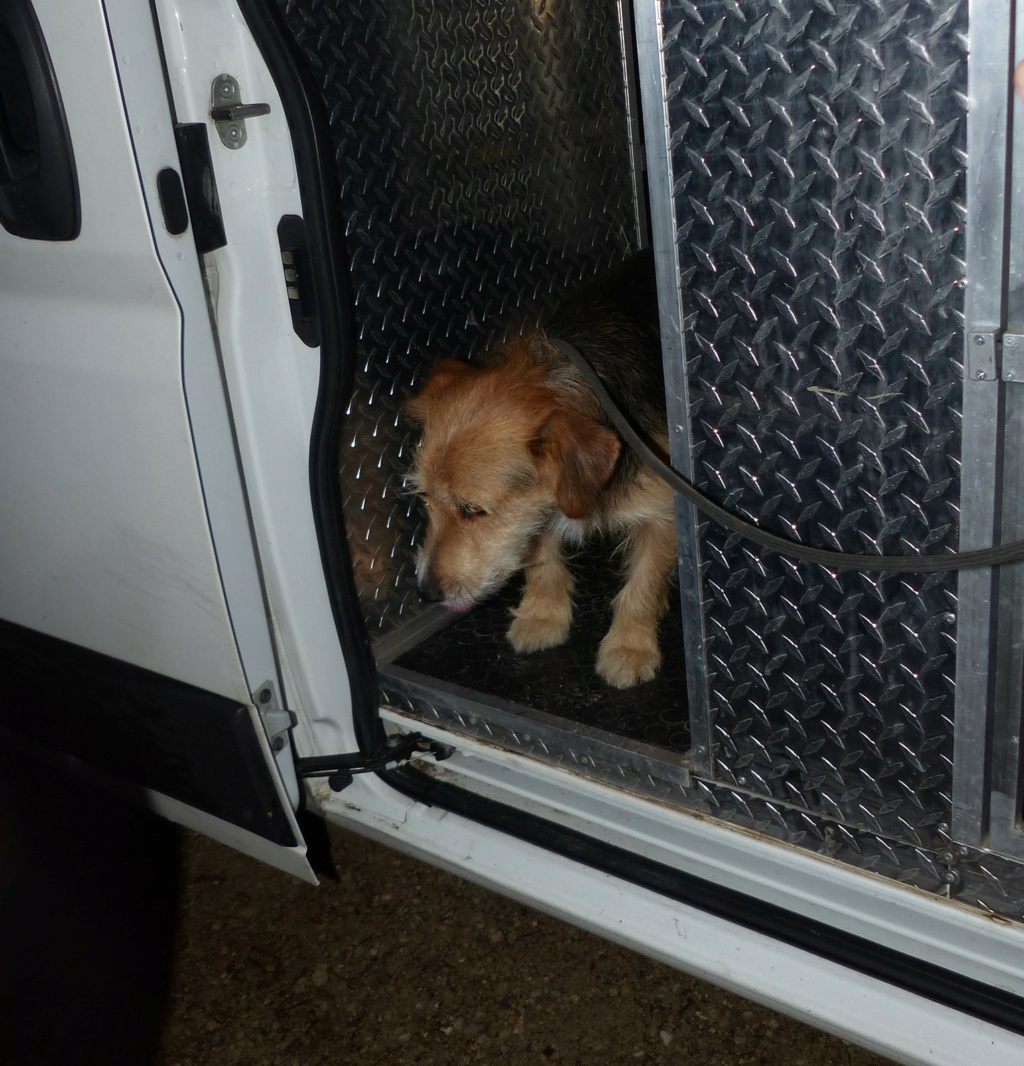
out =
column 229, row 113
column 338, row 769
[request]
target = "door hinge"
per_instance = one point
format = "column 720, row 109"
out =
column 994, row 355
column 339, row 769
column 1013, row 357
column 277, row 721
column 981, row 358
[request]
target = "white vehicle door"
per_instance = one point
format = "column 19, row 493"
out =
column 133, row 624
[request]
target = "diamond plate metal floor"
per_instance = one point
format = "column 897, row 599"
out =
column 473, row 653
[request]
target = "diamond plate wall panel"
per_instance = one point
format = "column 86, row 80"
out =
column 818, row 172
column 483, row 158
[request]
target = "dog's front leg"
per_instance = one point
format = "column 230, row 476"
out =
column 544, row 614
column 629, row 652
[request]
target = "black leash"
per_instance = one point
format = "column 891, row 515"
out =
column 832, row 560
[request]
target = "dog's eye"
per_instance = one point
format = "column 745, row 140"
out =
column 467, row 510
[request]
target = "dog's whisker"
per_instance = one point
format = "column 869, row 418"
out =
column 410, row 484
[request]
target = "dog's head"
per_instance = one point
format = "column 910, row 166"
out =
column 502, row 452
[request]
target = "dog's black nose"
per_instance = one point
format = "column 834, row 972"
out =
column 430, row 590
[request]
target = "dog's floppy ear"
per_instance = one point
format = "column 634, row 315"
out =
column 444, row 375
column 579, row 454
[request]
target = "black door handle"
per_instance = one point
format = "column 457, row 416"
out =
column 38, row 182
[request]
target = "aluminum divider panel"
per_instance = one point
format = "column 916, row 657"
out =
column 818, row 180
column 1003, row 786
column 984, row 318
column 654, row 96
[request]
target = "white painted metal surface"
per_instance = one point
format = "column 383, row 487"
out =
column 110, row 386
column 103, row 533
column 918, row 924
column 144, row 93
column 272, row 377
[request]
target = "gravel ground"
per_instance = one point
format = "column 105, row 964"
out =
column 402, row 964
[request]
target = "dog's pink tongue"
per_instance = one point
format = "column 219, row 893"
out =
column 460, row 609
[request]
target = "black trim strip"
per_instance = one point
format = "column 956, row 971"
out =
column 328, row 277
column 925, row 979
column 140, row 727
column 200, row 182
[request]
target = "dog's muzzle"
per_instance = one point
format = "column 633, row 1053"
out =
column 429, row 589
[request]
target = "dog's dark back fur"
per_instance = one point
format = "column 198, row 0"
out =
column 614, row 323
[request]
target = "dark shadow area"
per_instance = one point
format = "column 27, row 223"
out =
column 89, row 890
column 473, row 652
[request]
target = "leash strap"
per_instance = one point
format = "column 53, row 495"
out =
column 832, row 560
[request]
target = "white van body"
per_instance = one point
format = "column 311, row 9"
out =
column 161, row 529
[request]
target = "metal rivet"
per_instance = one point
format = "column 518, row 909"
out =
column 979, row 338
column 277, row 744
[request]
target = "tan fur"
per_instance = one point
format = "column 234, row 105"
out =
column 509, row 467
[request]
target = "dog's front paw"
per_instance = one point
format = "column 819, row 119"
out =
column 626, row 661
column 534, row 632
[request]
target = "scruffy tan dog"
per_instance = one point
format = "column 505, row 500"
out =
column 517, row 459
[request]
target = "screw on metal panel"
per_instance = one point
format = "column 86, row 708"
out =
column 226, row 88
column 265, row 696
column 234, row 133
column 1010, row 340
column 952, row 878
column 980, row 375
column 277, row 744
column 979, row 338
column 947, row 858
column 949, row 618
